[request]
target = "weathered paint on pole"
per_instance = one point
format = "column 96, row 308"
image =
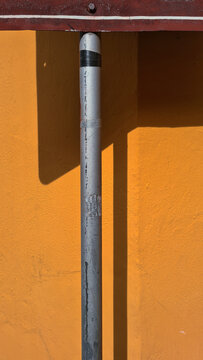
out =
column 90, row 64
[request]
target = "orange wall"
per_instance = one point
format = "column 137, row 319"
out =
column 152, row 90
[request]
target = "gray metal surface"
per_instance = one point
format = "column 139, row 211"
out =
column 90, row 198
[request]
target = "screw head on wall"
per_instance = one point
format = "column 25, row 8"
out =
column 92, row 8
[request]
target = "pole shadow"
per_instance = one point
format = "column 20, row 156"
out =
column 120, row 248
column 119, row 106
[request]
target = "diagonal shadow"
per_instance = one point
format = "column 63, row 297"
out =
column 162, row 85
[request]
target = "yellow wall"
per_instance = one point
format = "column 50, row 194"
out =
column 152, row 89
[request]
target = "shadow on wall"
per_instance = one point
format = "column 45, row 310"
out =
column 163, row 87
column 170, row 79
column 58, row 97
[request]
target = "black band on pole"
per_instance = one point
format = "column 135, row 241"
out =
column 90, row 58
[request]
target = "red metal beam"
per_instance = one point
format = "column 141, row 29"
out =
column 110, row 15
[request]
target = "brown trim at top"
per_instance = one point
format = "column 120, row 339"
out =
column 109, row 15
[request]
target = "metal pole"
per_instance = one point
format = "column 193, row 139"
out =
column 90, row 64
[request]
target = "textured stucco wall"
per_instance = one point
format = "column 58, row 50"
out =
column 152, row 196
